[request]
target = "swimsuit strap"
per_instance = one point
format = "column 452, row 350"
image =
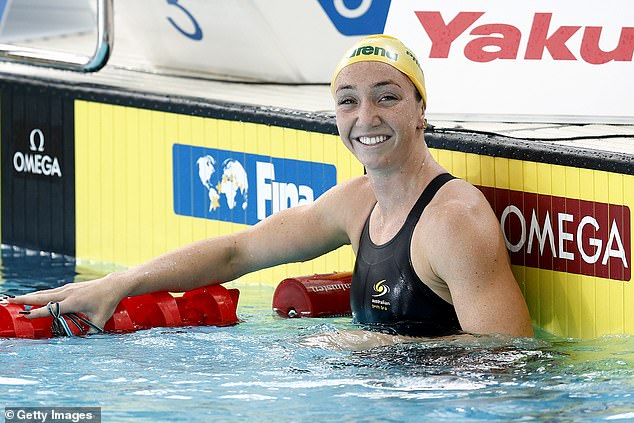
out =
column 428, row 193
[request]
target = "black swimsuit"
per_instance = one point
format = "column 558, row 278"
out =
column 387, row 294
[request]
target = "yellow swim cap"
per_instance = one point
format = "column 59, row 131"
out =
column 385, row 49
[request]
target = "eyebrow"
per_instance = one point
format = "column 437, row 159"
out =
column 346, row 87
column 377, row 85
column 384, row 83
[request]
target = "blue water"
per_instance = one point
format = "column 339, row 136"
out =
column 263, row 369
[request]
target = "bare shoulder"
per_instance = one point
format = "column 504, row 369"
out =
column 459, row 225
column 460, row 206
column 350, row 195
column 358, row 186
column 464, row 248
column 348, row 203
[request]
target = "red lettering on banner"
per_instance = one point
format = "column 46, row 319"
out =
column 592, row 53
column 443, row 35
column 538, row 39
column 564, row 234
column 541, row 37
column 507, row 45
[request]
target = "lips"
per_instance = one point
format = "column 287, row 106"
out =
column 372, row 140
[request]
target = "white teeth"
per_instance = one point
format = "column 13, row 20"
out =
column 372, row 140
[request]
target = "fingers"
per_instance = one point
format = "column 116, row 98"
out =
column 57, row 309
column 41, row 297
column 36, row 313
column 38, row 298
column 82, row 298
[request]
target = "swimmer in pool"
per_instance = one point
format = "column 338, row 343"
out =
column 430, row 256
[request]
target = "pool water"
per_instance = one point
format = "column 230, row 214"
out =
column 271, row 369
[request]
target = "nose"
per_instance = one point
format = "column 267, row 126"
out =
column 367, row 115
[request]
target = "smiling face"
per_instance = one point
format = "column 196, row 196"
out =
column 379, row 117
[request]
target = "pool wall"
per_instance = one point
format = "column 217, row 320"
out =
column 110, row 175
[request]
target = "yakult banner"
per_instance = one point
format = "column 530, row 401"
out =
column 534, row 60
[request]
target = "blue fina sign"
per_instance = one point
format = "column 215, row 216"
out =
column 238, row 187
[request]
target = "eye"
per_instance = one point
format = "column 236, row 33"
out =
column 345, row 101
column 387, row 97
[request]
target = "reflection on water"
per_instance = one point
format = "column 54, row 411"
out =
column 265, row 370
column 23, row 270
column 447, row 357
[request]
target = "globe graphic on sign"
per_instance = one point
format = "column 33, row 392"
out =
column 232, row 183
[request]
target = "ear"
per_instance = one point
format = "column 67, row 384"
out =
column 422, row 120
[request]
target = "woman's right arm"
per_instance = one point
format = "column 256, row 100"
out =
column 292, row 235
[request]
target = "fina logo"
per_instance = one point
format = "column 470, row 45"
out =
column 357, row 17
column 216, row 184
column 233, row 182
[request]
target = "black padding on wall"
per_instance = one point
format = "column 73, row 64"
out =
column 38, row 205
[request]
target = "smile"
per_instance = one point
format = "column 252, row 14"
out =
column 372, row 140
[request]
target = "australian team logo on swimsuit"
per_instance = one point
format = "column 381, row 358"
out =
column 380, row 288
column 235, row 186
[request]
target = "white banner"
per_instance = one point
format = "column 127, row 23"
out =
column 564, row 61
column 287, row 41
column 538, row 60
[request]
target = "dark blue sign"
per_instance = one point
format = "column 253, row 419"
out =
column 243, row 188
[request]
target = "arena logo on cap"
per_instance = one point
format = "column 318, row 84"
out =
column 357, row 17
column 218, row 184
column 564, row 234
column 376, row 51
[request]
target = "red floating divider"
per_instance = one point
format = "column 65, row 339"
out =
column 14, row 325
column 212, row 305
column 326, row 295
